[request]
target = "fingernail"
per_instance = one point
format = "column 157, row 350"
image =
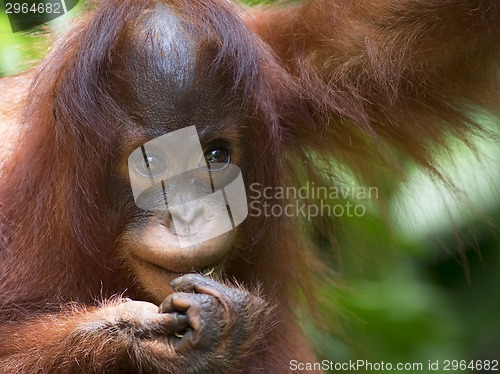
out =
column 182, row 319
column 161, row 308
column 176, row 282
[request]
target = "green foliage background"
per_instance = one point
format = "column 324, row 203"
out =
column 428, row 288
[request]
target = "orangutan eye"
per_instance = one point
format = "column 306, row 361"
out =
column 150, row 165
column 217, row 158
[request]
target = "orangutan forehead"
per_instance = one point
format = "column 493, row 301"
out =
column 170, row 72
column 161, row 55
column 178, row 67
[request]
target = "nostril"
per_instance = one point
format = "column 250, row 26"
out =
column 187, row 218
column 165, row 218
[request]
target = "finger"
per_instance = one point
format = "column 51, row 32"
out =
column 187, row 343
column 199, row 284
column 171, row 323
column 179, row 302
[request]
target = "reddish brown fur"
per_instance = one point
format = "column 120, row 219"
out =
column 352, row 79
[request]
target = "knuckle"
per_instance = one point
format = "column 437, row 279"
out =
column 203, row 301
